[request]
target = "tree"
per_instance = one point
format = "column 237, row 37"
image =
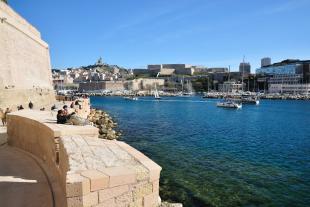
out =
column 5, row 1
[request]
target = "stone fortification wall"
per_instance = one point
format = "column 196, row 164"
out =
column 24, row 60
column 14, row 97
column 84, row 170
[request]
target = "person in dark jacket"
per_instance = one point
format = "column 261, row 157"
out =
column 61, row 117
column 30, row 105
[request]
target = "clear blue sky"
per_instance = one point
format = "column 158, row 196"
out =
column 134, row 33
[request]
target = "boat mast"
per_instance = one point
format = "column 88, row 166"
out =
column 242, row 72
column 182, row 81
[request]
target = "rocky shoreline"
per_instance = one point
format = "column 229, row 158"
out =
column 106, row 125
column 104, row 122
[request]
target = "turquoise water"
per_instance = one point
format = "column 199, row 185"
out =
column 256, row 156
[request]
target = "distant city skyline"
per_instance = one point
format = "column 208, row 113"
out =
column 135, row 33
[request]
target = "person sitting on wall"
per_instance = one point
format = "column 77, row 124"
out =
column 72, row 105
column 61, row 118
column 65, row 110
column 53, row 107
column 2, row 117
column 30, row 105
column 8, row 110
column 76, row 120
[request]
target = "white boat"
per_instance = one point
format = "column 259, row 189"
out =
column 229, row 104
column 131, row 98
column 250, row 99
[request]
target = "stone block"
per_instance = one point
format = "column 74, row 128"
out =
column 154, row 169
column 88, row 200
column 98, row 180
column 156, row 186
column 120, row 176
column 151, row 200
column 124, row 199
column 109, row 193
column 77, row 185
column 91, row 199
column 137, row 203
column 107, row 203
column 141, row 189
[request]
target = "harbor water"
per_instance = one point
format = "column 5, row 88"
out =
column 254, row 156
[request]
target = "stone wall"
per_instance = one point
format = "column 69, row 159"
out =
column 102, row 85
column 14, row 97
column 24, row 60
column 87, row 171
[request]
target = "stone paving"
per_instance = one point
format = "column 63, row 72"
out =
column 22, row 181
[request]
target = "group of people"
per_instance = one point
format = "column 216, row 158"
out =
column 63, row 115
column 20, row 107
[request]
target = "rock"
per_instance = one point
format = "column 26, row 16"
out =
column 166, row 204
column 104, row 123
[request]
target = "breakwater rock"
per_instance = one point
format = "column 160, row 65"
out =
column 104, row 122
column 166, row 204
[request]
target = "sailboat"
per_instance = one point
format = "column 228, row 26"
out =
column 189, row 92
column 156, row 94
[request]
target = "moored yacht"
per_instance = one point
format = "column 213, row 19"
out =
column 229, row 104
column 246, row 99
column 131, row 98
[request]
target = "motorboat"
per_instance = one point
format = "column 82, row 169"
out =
column 131, row 98
column 229, row 104
column 250, row 99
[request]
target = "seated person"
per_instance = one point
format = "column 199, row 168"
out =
column 74, row 119
column 20, row 107
column 53, row 107
column 65, row 110
column 61, row 117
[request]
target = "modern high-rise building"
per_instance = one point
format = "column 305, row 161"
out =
column 245, row 68
column 266, row 61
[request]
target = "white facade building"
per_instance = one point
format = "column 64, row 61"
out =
column 290, row 88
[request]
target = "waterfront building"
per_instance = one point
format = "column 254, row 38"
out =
column 145, row 84
column 265, row 61
column 180, row 69
column 287, row 72
column 245, row 68
column 290, row 88
column 285, row 67
column 285, row 79
column 217, row 70
column 230, row 87
column 101, row 86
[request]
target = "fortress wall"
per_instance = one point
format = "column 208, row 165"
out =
column 24, row 58
column 15, row 97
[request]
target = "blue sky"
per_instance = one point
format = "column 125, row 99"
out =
column 134, row 33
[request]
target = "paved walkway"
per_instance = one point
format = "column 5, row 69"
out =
column 22, row 181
